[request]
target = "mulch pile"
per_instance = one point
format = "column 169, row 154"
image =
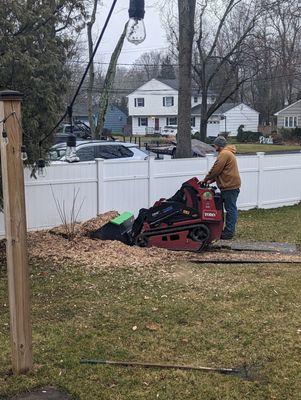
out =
column 52, row 246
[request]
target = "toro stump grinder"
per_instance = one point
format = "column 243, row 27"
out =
column 188, row 221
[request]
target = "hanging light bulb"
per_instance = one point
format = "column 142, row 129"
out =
column 4, row 137
column 136, row 32
column 23, row 153
column 41, row 168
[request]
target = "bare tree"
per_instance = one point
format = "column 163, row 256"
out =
column 222, row 53
column 146, row 67
column 277, row 56
column 108, row 84
column 186, row 33
column 285, row 20
column 91, row 69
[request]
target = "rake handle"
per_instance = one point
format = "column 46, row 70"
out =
column 158, row 365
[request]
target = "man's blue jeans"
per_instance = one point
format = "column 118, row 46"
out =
column 229, row 199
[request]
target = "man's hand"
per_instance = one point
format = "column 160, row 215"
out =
column 206, row 181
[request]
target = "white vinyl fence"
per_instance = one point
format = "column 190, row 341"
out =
column 268, row 181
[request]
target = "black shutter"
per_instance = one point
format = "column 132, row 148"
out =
column 135, row 102
column 163, row 101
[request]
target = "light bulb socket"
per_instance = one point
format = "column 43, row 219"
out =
column 136, row 10
column 4, row 134
column 23, row 148
column 71, row 141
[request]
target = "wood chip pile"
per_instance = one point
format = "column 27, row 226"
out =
column 52, row 246
column 93, row 254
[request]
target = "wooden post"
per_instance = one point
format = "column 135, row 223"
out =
column 15, row 226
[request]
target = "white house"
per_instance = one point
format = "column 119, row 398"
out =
column 290, row 116
column 155, row 105
column 228, row 118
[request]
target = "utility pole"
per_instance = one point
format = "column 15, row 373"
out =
column 15, row 226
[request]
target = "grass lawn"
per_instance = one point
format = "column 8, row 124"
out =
column 256, row 147
column 278, row 225
column 203, row 315
column 241, row 147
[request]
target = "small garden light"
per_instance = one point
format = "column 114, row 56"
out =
column 71, row 149
column 4, row 137
column 136, row 33
column 41, row 167
column 23, row 153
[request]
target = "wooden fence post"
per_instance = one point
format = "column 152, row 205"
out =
column 15, row 226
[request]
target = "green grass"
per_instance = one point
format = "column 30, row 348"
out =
column 278, row 225
column 206, row 315
column 256, row 147
column 241, row 147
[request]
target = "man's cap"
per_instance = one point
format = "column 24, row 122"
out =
column 220, row 141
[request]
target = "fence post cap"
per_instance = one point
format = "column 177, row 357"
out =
column 10, row 95
column 260, row 153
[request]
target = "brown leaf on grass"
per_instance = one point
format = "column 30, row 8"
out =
column 152, row 326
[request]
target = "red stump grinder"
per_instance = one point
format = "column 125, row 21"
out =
column 188, row 221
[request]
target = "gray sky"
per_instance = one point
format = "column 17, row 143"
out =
column 155, row 34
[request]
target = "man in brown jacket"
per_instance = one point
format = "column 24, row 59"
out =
column 225, row 173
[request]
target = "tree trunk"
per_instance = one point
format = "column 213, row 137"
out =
column 203, row 129
column 108, row 83
column 91, row 71
column 204, row 119
column 186, row 34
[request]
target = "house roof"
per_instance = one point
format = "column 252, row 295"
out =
column 82, row 109
column 285, row 108
column 174, row 84
column 221, row 110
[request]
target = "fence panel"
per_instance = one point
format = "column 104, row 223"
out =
column 249, row 173
column 268, row 181
column 281, row 180
column 61, row 182
column 123, row 185
column 168, row 175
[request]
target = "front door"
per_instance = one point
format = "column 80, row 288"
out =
column 157, row 125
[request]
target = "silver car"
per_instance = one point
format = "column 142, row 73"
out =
column 89, row 150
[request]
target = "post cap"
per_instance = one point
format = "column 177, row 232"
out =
column 10, row 95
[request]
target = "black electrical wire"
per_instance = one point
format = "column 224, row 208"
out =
column 69, row 108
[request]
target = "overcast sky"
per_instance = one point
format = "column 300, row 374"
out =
column 155, row 34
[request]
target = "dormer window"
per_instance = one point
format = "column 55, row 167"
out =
column 168, row 101
column 195, row 99
column 139, row 102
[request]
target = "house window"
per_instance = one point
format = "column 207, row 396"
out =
column 142, row 121
column 172, row 121
column 195, row 99
column 291, row 122
column 168, row 101
column 193, row 121
column 139, row 102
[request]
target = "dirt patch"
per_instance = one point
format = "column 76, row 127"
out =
column 47, row 393
column 52, row 246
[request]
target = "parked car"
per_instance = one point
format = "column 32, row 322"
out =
column 80, row 130
column 89, row 150
column 171, row 130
